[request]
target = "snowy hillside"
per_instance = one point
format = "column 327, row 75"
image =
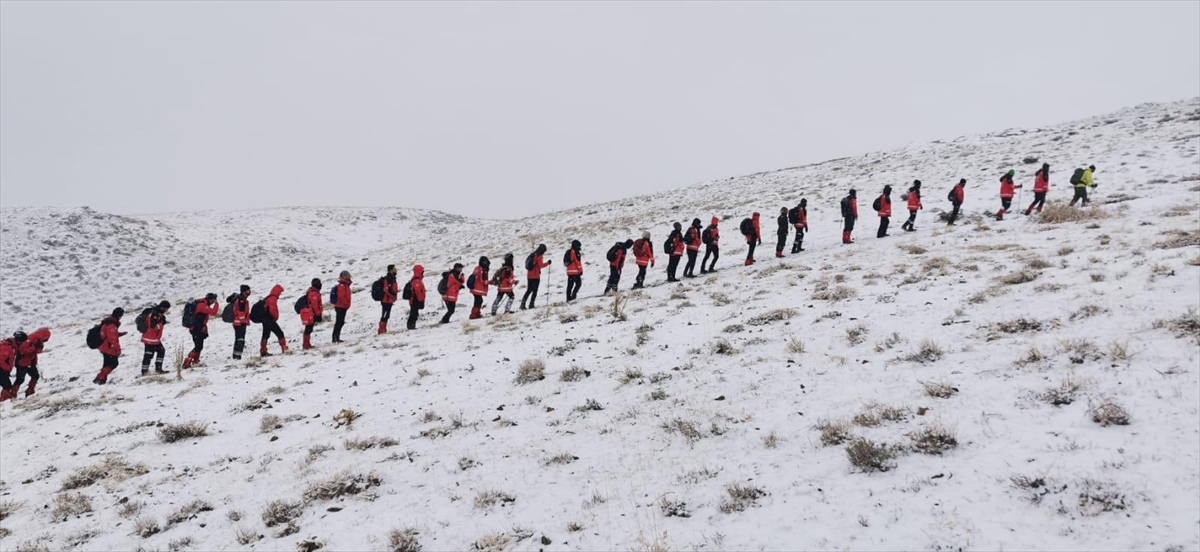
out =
column 1016, row 384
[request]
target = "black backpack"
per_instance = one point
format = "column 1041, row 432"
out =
column 747, row 227
column 687, row 236
column 471, row 281
column 846, row 213
column 227, row 313
column 189, row 314
column 143, row 320
column 377, row 290
column 612, row 252
column 706, row 237
column 567, row 258
column 950, row 196
column 529, row 262
column 444, row 284
column 258, row 312
column 407, row 293
column 669, row 245
column 301, row 303
column 94, row 339
column 1077, row 176
column 794, row 215
column 878, row 203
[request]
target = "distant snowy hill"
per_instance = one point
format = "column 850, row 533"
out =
column 1030, row 383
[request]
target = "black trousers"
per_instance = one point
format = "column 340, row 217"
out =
column 30, row 371
column 477, row 305
column 1080, row 193
column 531, row 292
column 1039, row 199
column 713, row 250
column 110, row 361
column 308, row 329
column 1005, row 203
column 672, row 266
column 781, row 241
column 5, row 382
column 339, row 320
column 614, row 278
column 387, row 312
column 413, row 312
column 799, row 243
column 239, row 341
column 883, row 224
column 449, row 311
column 912, row 217
column 198, row 343
column 954, row 212
column 573, row 285
column 689, row 269
column 151, row 352
column 750, row 253
column 271, row 327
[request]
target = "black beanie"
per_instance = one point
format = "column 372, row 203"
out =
column 118, row 312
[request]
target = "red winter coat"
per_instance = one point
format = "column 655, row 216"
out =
column 315, row 303
column 481, row 282
column 715, row 233
column 155, row 322
column 306, row 316
column 574, row 264
column 643, row 251
column 454, row 283
column 960, row 193
column 241, row 311
column 680, row 247
column 885, row 206
column 692, row 239
column 28, row 352
column 391, row 290
column 803, row 222
column 111, row 336
column 418, row 286
column 505, row 280
column 757, row 235
column 8, row 355
column 618, row 261
column 207, row 311
column 914, row 200
column 1041, row 184
column 272, row 302
column 535, row 273
column 343, row 294
column 1006, row 187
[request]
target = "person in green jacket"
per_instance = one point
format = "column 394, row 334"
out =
column 1082, row 186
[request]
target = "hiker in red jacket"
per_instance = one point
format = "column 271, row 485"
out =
column 27, row 361
column 712, row 246
column 643, row 253
column 155, row 321
column 391, row 291
column 674, row 250
column 340, row 292
column 416, row 298
column 311, row 313
column 270, row 324
column 1041, row 185
column 691, row 239
column 849, row 215
column 799, row 218
column 241, row 320
column 914, row 204
column 505, row 280
column 956, row 197
column 883, row 204
column 753, row 238
column 1006, row 193
column 616, row 262
column 534, row 264
column 781, row 233
column 8, row 359
column 110, row 346
column 454, row 282
column 205, row 307
column 573, row 259
column 478, row 282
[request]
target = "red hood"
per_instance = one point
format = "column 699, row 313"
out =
column 42, row 334
column 715, row 220
column 275, row 291
column 418, row 272
column 346, row 281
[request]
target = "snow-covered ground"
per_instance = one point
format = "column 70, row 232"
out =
column 714, row 414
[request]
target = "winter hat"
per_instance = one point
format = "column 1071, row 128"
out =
column 541, row 248
column 628, row 244
column 715, row 220
column 245, row 288
column 1010, row 173
column 678, row 227
column 576, row 245
column 887, row 189
column 853, row 192
column 508, row 259
column 1092, row 167
column 210, row 297
column 484, row 262
column 20, row 337
column 118, row 312
column 164, row 305
column 316, row 283
column 345, row 274
column 458, row 266
column 645, row 235
column 804, row 202
column 962, row 181
column 916, row 183
column 696, row 222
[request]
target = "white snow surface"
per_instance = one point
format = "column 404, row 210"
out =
column 1112, row 310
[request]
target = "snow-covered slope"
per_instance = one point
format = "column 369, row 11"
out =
column 692, row 420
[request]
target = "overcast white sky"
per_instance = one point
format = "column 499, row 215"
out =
column 510, row 109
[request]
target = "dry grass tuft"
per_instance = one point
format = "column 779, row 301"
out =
column 822, row 292
column 1057, row 213
column 188, row 511
column 914, row 249
column 933, row 439
column 685, row 428
column 67, row 505
column 531, row 371
column 403, row 540
column 146, row 526
column 1186, row 326
column 573, row 374
column 1066, row 391
column 740, row 498
column 1019, row 325
column 1108, row 413
column 281, row 512
column 341, row 485
column 1019, row 277
column 928, row 351
column 674, row 508
column 869, row 456
column 939, row 390
column 172, row 433
column 722, row 347
column 772, row 316
column 833, row 432
column 113, row 468
column 489, row 498
column 795, row 346
column 857, row 335
column 369, row 443
column 1181, row 239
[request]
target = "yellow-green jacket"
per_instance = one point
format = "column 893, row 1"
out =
column 1086, row 180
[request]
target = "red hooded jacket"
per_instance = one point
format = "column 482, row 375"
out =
column 575, row 266
column 481, row 282
column 454, row 283
column 391, row 290
column 643, row 252
column 505, row 279
column 155, row 322
column 28, row 352
column 535, row 273
column 960, row 193
column 315, row 303
column 111, row 335
column 914, row 200
column 418, row 286
column 885, row 205
column 343, row 294
column 1041, row 184
column 692, row 238
column 8, row 354
column 241, row 311
column 272, row 302
column 757, row 235
column 1006, row 187
column 207, row 311
column 618, row 261
column 716, row 233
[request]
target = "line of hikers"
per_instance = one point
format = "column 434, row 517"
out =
column 21, row 350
